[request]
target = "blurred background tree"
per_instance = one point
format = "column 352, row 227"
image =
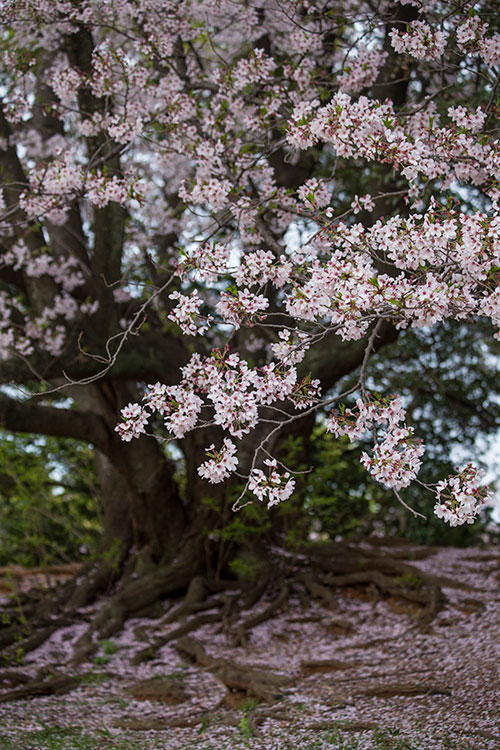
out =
column 49, row 507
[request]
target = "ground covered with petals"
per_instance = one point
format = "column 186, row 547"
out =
column 365, row 672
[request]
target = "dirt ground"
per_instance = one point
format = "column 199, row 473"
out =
column 363, row 672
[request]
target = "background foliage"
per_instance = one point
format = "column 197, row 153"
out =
column 49, row 509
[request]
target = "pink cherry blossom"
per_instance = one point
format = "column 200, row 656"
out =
column 220, row 464
column 272, row 487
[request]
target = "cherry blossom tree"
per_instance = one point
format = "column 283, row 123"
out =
column 212, row 211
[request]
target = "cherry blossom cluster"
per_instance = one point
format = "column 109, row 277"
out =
column 260, row 266
column 395, row 459
column 458, row 252
column 461, row 497
column 229, row 385
column 417, row 146
column 272, row 487
column 179, row 407
column 241, row 306
column 187, row 313
column 361, row 69
column 292, row 346
column 257, row 67
column 102, row 190
column 135, row 419
column 53, row 185
column 357, row 421
column 472, row 121
column 364, row 203
column 43, row 329
column 472, row 37
column 221, row 463
column 205, row 262
column 234, row 391
column 314, row 193
column 419, row 41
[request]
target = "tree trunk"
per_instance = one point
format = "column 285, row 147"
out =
column 143, row 510
column 208, row 505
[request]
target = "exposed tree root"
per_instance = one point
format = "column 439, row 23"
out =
column 256, row 593
column 431, row 596
column 344, row 726
column 260, row 683
column 340, row 558
column 11, row 677
column 147, row 725
column 326, row 568
column 39, row 614
column 56, row 685
column 405, row 689
column 254, row 719
column 304, row 581
column 93, row 580
column 381, row 641
column 380, row 675
column 31, row 633
column 241, row 634
column 229, row 608
column 486, row 735
column 320, row 666
column 317, row 590
column 194, row 600
column 84, row 649
column 136, row 596
column 23, row 639
column 150, row 651
column 154, row 690
column 386, row 574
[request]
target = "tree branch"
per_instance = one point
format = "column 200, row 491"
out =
column 23, row 416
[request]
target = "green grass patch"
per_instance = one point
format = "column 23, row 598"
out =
column 77, row 738
column 74, row 738
column 92, row 677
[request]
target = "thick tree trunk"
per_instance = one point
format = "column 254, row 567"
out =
column 117, row 517
column 144, row 518
column 156, row 508
column 208, row 505
column 143, row 510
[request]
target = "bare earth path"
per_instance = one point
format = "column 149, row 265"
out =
column 365, row 672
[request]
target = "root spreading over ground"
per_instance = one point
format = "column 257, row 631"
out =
column 343, row 648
